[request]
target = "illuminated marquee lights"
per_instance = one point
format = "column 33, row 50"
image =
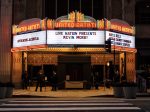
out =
column 50, row 24
column 123, row 29
column 100, row 24
column 78, row 15
column 73, row 20
column 75, row 25
column 119, row 27
column 34, row 24
column 28, row 28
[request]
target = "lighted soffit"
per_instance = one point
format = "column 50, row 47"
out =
column 72, row 49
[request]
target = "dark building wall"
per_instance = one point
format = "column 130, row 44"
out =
column 57, row 8
column 26, row 9
column 116, row 9
column 19, row 11
column 5, row 37
column 49, row 9
column 34, row 9
column 120, row 9
column 129, row 11
column 142, row 21
column 107, row 9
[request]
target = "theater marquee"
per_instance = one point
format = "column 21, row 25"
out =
column 30, row 39
column 75, row 37
column 74, row 29
column 121, row 40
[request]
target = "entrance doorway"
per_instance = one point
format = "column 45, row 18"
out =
column 48, row 70
column 98, row 71
column 34, row 69
column 75, row 71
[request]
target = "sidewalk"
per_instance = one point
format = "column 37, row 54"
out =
column 46, row 92
column 62, row 93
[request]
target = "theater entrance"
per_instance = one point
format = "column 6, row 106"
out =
column 74, row 71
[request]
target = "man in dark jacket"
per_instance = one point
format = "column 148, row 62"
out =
column 25, row 80
column 54, row 81
column 39, row 80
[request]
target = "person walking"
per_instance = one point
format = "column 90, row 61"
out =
column 39, row 80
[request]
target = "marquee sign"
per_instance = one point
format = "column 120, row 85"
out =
column 75, row 25
column 75, row 37
column 120, row 26
column 29, row 25
column 116, row 25
column 72, row 29
column 30, row 39
column 73, row 20
column 122, row 40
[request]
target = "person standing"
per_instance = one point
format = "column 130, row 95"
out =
column 123, row 78
column 25, row 80
column 54, row 81
column 96, row 80
column 117, row 76
column 92, row 80
column 39, row 80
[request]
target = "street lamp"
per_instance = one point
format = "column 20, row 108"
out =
column 108, row 64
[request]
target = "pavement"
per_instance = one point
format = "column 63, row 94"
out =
column 46, row 92
column 68, row 93
column 73, row 100
column 92, row 104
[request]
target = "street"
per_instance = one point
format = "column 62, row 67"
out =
column 141, row 102
column 90, row 104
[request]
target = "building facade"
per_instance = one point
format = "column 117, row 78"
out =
column 85, row 60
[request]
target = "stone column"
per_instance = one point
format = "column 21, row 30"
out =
column 5, row 39
column 130, row 67
column 17, row 69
